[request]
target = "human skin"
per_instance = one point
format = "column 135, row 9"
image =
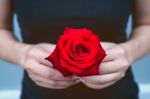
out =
column 121, row 56
column 113, row 67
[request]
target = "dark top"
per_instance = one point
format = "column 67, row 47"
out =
column 44, row 21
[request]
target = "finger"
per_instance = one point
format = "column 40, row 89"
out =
column 107, row 45
column 110, row 56
column 118, row 65
column 53, row 82
column 41, row 58
column 47, row 47
column 41, row 84
column 40, row 78
column 45, row 62
column 62, row 83
column 95, row 86
column 109, row 67
column 115, row 53
column 47, row 72
column 103, row 79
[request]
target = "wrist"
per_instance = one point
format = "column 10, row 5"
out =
column 131, row 47
column 21, row 49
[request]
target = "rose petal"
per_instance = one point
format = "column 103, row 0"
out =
column 78, row 51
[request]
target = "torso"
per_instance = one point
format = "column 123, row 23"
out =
column 47, row 18
column 44, row 21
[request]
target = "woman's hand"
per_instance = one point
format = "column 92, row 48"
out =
column 41, row 71
column 112, row 68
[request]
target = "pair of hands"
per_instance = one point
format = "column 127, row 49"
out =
column 112, row 68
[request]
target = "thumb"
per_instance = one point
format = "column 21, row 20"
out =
column 107, row 45
column 42, row 54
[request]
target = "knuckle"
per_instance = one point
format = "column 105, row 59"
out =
column 126, row 62
column 125, row 65
column 29, row 75
column 27, row 66
column 52, row 84
column 27, row 62
column 50, row 74
column 47, row 76
column 102, row 81
column 121, row 51
column 32, row 52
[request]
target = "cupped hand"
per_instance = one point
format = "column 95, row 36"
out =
column 41, row 71
column 112, row 69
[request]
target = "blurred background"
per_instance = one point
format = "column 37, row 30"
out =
column 11, row 74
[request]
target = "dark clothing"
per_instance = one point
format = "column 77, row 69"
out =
column 44, row 21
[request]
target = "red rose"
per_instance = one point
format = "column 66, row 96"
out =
column 78, row 51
